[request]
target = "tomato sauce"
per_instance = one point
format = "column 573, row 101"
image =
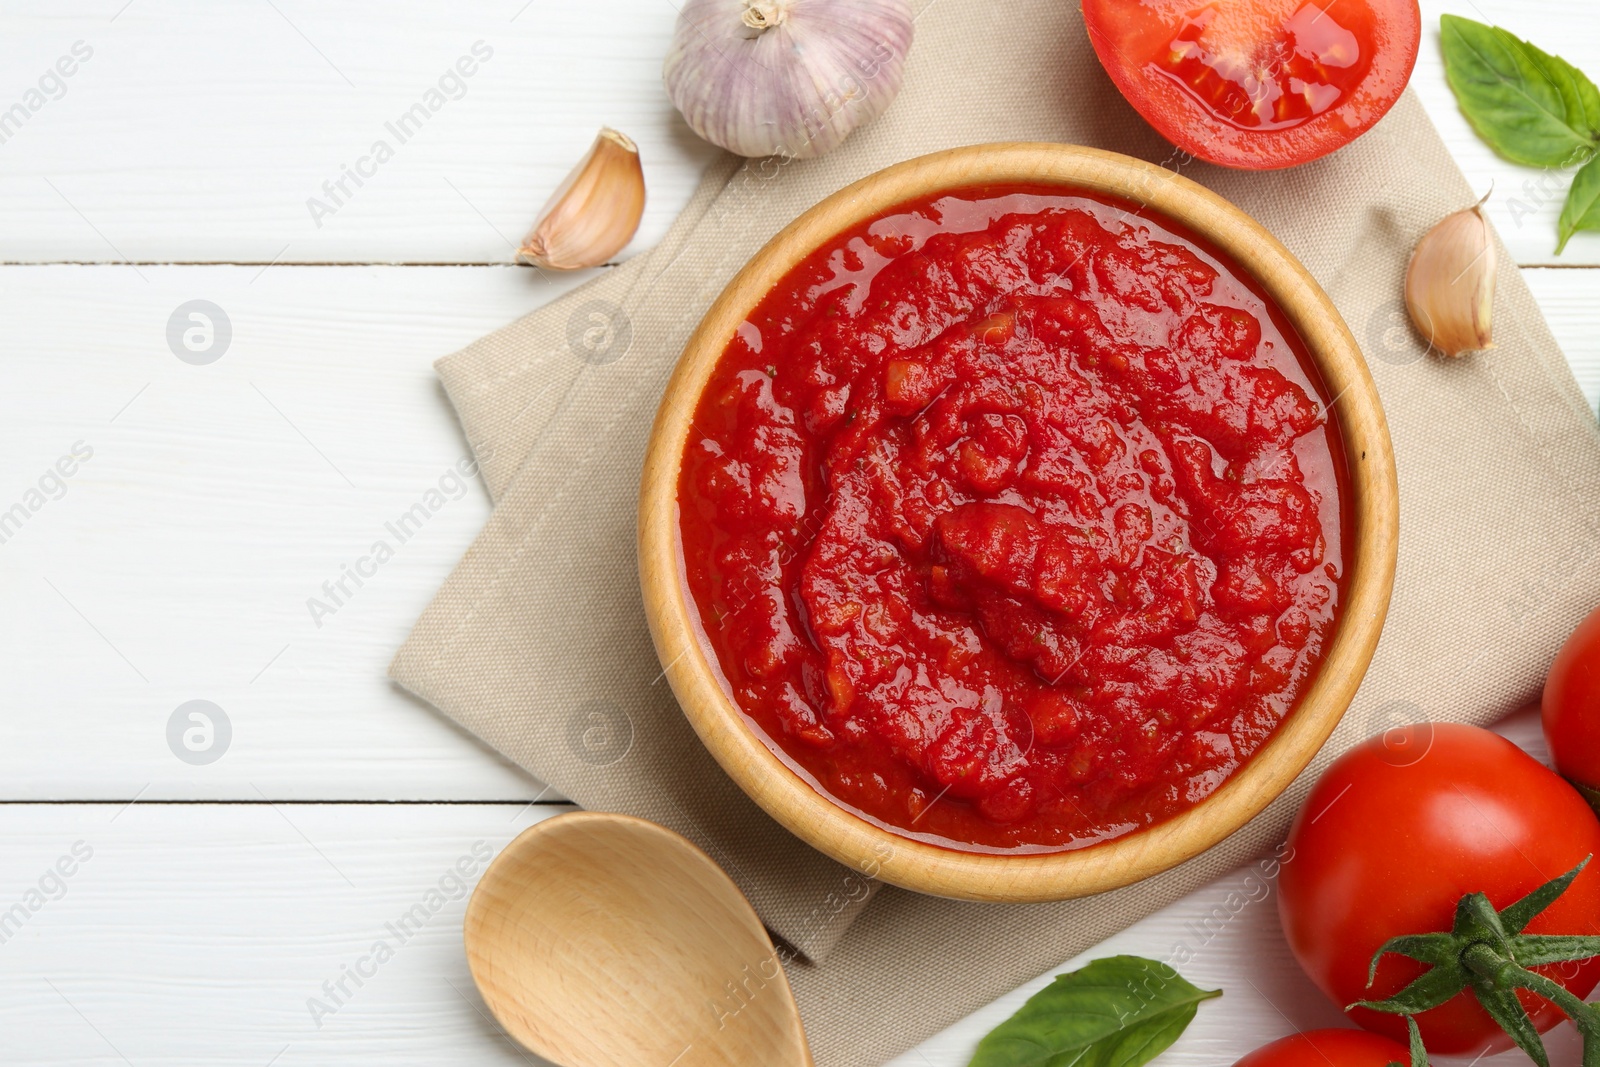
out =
column 1013, row 519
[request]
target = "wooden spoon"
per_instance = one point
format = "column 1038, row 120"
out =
column 602, row 940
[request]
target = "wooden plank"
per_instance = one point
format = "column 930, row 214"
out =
column 224, row 921
column 179, row 561
column 198, row 132
column 196, row 934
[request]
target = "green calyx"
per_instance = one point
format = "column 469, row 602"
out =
column 1419, row 1055
column 1590, row 794
column 1487, row 952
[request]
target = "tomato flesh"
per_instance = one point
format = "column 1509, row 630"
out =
column 1311, row 68
column 1396, row 832
column 1571, row 705
column 1328, row 1048
column 1257, row 84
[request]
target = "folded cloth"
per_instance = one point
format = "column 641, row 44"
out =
column 537, row 643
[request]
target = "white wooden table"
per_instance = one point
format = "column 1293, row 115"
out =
column 174, row 564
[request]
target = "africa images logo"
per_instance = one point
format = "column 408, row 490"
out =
column 338, row 591
column 51, row 485
column 451, row 85
column 51, row 85
column 452, row 885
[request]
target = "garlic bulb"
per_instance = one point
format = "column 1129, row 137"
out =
column 1450, row 283
column 786, row 77
column 594, row 212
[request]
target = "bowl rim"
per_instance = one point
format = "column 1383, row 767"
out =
column 1371, row 492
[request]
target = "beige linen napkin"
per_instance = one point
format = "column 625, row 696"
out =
column 537, row 642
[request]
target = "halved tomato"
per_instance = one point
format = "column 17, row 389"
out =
column 1257, row 84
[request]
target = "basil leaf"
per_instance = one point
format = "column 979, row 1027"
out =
column 1530, row 106
column 1121, row 1011
column 1582, row 209
column 1578, row 93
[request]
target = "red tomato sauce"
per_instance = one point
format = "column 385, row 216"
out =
column 1013, row 519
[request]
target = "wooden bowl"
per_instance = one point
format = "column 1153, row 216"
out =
column 1371, row 494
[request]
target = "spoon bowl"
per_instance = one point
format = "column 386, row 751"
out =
column 602, row 940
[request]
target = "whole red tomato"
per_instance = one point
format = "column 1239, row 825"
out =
column 1328, row 1048
column 1258, row 84
column 1571, row 705
column 1397, row 831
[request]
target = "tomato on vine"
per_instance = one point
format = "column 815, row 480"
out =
column 1334, row 1048
column 1571, row 708
column 1439, row 871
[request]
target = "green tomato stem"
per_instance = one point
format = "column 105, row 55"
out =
column 1480, row 954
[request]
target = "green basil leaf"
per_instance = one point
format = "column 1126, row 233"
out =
column 1530, row 106
column 1581, row 211
column 1121, row 1011
column 1578, row 93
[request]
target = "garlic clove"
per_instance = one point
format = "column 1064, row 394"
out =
column 1450, row 283
column 594, row 212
